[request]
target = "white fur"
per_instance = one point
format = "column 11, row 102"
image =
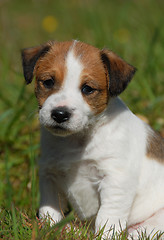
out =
column 101, row 168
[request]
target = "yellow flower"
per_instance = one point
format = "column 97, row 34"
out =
column 122, row 35
column 50, row 24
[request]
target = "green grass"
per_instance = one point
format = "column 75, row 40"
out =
column 133, row 29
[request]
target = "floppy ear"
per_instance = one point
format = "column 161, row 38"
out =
column 30, row 57
column 119, row 72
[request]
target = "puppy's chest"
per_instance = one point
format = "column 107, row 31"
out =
column 62, row 154
column 75, row 169
column 81, row 186
column 79, row 178
column 80, row 183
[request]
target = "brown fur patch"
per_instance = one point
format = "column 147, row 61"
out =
column 29, row 58
column 52, row 65
column 120, row 72
column 155, row 146
column 94, row 75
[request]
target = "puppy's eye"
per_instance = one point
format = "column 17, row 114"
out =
column 49, row 83
column 87, row 90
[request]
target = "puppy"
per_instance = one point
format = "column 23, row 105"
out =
column 95, row 153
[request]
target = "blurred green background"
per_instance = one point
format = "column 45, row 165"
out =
column 134, row 29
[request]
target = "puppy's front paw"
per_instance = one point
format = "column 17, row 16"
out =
column 50, row 214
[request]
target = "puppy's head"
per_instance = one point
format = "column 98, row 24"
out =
column 74, row 82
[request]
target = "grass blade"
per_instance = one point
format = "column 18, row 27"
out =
column 14, row 223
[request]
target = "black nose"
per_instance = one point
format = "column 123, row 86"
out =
column 60, row 114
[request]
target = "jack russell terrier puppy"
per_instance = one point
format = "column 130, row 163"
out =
column 95, row 153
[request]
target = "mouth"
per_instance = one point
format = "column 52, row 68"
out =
column 58, row 130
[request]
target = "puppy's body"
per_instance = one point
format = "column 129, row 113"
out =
column 105, row 158
column 95, row 153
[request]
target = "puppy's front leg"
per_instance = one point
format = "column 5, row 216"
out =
column 116, row 197
column 51, row 204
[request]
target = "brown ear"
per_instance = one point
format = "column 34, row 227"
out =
column 30, row 57
column 120, row 72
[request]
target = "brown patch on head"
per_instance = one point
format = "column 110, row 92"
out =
column 52, row 66
column 49, row 67
column 93, row 76
column 120, row 72
column 155, row 146
column 104, row 72
column 29, row 58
